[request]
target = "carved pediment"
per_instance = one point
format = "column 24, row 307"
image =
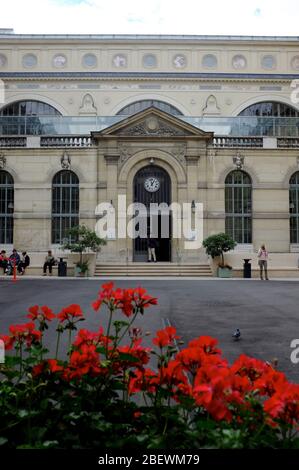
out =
column 152, row 122
column 152, row 126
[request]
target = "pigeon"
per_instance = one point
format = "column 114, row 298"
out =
column 237, row 334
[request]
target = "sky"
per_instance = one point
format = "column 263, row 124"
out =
column 228, row 17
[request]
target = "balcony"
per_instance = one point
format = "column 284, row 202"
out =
column 64, row 131
column 240, row 126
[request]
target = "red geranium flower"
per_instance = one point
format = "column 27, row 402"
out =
column 127, row 300
column 69, row 313
column 89, row 337
column 136, row 351
column 165, row 337
column 270, row 382
column 250, row 367
column 25, row 333
column 206, row 343
column 82, row 362
column 143, row 380
column 49, row 365
column 8, row 341
column 284, row 405
column 42, row 314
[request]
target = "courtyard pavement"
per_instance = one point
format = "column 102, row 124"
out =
column 267, row 313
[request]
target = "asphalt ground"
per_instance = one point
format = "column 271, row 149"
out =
column 267, row 313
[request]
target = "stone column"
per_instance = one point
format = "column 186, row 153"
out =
column 111, row 251
column 192, row 159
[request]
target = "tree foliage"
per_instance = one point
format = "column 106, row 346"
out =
column 218, row 244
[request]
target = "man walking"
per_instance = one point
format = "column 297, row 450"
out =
column 151, row 248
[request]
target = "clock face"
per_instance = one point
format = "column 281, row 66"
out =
column 152, row 184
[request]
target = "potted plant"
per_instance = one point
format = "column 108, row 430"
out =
column 81, row 239
column 81, row 268
column 216, row 246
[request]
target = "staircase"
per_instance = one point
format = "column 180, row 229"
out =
column 153, row 270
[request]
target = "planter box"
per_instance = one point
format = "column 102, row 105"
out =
column 224, row 272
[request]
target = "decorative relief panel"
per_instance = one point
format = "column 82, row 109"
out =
column 211, row 107
column 3, row 60
column 179, row 61
column 239, row 62
column 177, row 150
column 238, row 161
column 295, row 62
column 152, row 126
column 88, row 106
column 119, row 60
column 126, row 151
column 65, row 161
column 59, row 61
column 2, row 161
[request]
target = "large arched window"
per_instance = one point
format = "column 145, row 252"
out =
column 24, row 117
column 6, row 207
column 138, row 106
column 238, row 206
column 294, row 208
column 270, row 108
column 65, row 204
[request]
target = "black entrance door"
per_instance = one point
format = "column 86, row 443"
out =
column 152, row 184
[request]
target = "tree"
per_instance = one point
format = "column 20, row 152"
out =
column 83, row 239
column 218, row 244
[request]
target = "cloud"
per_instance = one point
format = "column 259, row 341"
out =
column 232, row 17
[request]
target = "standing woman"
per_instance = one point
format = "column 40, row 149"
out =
column 263, row 259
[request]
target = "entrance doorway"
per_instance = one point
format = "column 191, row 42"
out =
column 152, row 185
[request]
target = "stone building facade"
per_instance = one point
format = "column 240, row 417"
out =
column 214, row 119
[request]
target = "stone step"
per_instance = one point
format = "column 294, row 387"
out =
column 153, row 269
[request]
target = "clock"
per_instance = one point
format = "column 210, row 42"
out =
column 152, row 184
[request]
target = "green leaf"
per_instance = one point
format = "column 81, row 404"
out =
column 127, row 357
column 3, row 441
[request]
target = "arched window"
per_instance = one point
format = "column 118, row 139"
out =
column 270, row 108
column 29, row 113
column 294, row 208
column 238, row 206
column 138, row 106
column 65, row 204
column 6, row 208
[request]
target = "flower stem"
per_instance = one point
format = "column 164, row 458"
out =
column 128, row 327
column 57, row 344
column 21, row 359
column 70, row 341
column 108, row 330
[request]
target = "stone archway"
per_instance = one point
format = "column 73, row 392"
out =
column 152, row 186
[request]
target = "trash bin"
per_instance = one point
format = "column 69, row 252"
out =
column 247, row 268
column 62, row 268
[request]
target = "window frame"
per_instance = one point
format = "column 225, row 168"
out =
column 238, row 206
column 65, row 211
column 7, row 228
